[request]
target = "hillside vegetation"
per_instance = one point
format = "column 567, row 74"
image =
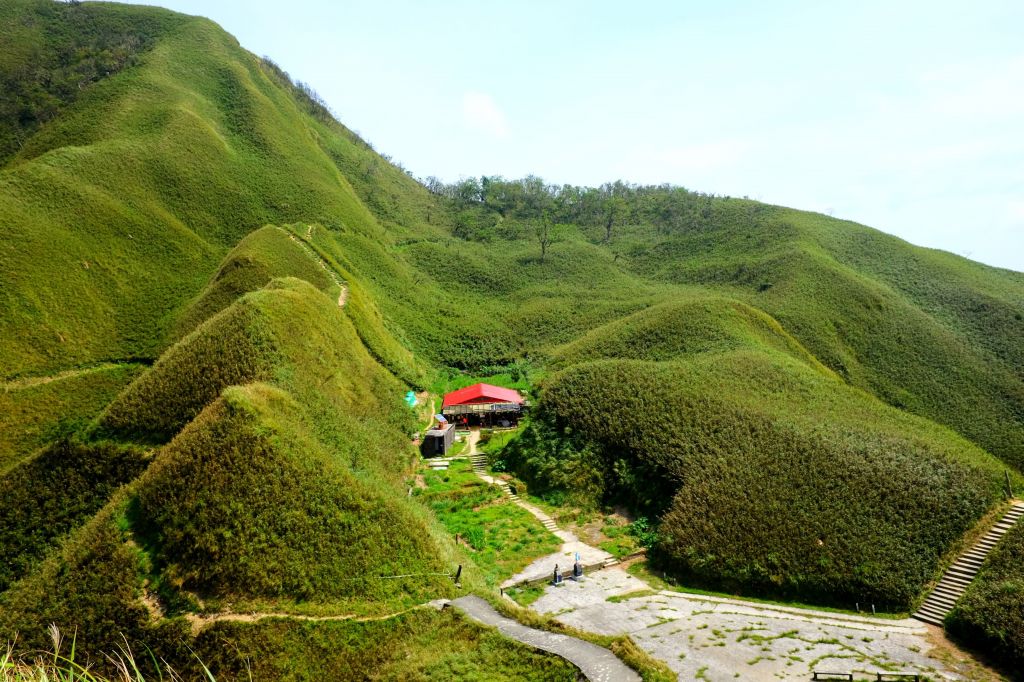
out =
column 215, row 295
column 767, row 474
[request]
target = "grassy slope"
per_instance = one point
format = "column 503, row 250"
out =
column 246, row 504
column 260, row 257
column 502, row 538
column 166, row 166
column 35, row 414
column 405, row 648
column 145, row 182
column 904, row 323
column 263, row 500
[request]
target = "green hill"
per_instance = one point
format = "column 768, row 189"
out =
column 214, row 296
column 767, row 474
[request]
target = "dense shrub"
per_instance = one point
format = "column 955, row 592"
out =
column 56, row 51
column 51, row 494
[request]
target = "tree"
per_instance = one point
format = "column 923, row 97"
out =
column 547, row 233
column 614, row 211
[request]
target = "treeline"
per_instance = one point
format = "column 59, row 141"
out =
column 483, row 205
column 55, row 53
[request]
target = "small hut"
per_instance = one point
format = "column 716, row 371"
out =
column 484, row 405
column 438, row 440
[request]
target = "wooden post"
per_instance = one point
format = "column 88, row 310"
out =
column 1009, row 486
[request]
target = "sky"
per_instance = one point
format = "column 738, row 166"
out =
column 905, row 116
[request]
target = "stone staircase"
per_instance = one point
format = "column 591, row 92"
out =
column 960, row 574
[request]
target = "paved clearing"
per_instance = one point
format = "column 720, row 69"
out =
column 713, row 638
column 597, row 663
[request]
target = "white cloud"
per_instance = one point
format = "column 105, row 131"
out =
column 481, row 112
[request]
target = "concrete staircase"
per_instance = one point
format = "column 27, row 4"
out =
column 506, row 489
column 958, row 576
column 479, row 462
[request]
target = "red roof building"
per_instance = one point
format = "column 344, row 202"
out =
column 483, row 404
column 479, row 394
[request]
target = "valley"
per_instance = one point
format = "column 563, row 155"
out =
column 750, row 421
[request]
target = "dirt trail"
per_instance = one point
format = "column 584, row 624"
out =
column 343, row 294
column 200, row 622
column 29, row 382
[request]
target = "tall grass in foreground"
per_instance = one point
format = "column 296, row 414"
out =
column 55, row 666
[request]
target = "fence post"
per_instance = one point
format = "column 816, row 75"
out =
column 1009, row 486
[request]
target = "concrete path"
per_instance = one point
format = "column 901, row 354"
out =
column 597, row 663
column 716, row 638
